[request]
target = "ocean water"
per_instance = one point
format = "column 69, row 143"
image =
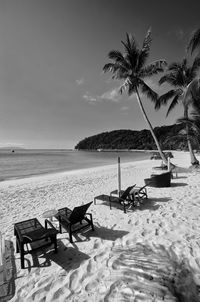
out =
column 25, row 163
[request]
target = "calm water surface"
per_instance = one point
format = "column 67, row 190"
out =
column 24, row 163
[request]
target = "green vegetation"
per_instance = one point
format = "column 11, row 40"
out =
column 168, row 136
column 182, row 76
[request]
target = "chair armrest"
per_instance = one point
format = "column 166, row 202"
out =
column 63, row 217
column 47, row 222
column 89, row 214
column 17, row 233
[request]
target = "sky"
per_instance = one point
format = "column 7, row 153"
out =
column 53, row 91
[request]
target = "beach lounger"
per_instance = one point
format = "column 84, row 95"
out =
column 75, row 220
column 139, row 193
column 126, row 198
column 31, row 230
column 159, row 180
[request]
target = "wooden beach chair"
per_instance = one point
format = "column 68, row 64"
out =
column 75, row 220
column 159, row 180
column 126, row 198
column 31, row 230
column 139, row 194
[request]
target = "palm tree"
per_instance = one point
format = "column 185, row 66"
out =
column 193, row 121
column 182, row 77
column 131, row 69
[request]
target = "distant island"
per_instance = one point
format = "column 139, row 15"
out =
column 170, row 138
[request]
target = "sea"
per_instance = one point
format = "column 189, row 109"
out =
column 25, row 163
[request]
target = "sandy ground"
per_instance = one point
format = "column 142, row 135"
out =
column 151, row 253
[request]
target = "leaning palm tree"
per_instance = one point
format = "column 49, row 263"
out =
column 182, row 77
column 193, row 120
column 131, row 69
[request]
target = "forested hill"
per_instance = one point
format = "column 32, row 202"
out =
column 168, row 137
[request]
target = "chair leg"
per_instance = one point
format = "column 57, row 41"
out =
column 110, row 202
column 60, row 228
column 54, row 240
column 92, row 225
column 17, row 246
column 22, row 254
column 70, row 234
column 124, row 208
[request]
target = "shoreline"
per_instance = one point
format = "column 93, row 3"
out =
column 33, row 169
column 50, row 175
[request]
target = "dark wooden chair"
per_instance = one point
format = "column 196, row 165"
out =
column 139, row 193
column 75, row 220
column 159, row 180
column 31, row 230
column 125, row 199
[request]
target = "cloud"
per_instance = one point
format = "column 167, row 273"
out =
column 112, row 95
column 124, row 108
column 12, row 145
column 80, row 81
column 90, row 98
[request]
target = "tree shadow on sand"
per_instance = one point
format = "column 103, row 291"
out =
column 150, row 274
column 8, row 274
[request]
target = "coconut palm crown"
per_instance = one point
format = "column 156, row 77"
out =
column 182, row 77
column 131, row 69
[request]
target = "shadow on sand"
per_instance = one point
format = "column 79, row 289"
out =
column 8, row 275
column 155, row 273
column 178, row 184
column 149, row 204
column 67, row 257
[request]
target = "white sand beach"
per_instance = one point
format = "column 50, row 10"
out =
column 151, row 253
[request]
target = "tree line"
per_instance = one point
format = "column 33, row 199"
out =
column 169, row 137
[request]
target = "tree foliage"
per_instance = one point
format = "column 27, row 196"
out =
column 132, row 139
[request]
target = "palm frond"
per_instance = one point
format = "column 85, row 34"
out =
column 174, row 66
column 173, row 104
column 163, row 99
column 132, row 51
column 169, row 78
column 148, row 91
column 118, row 70
column 153, row 69
column 131, row 89
column 193, row 126
column 194, row 42
column 144, row 53
column 192, row 91
column 195, row 66
column 116, row 56
column 124, row 86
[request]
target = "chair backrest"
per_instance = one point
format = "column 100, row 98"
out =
column 78, row 213
column 126, row 192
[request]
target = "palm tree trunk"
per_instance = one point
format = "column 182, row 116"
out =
column 150, row 127
column 194, row 160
